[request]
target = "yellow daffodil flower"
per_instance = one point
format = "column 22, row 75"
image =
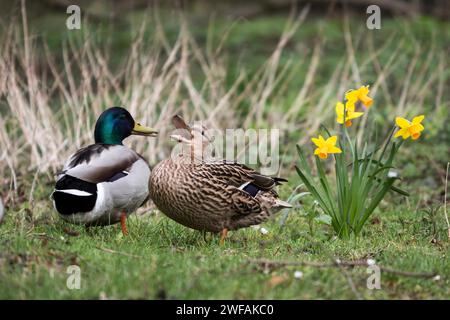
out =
column 360, row 94
column 409, row 128
column 349, row 113
column 325, row 147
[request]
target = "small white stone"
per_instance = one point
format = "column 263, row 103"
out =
column 392, row 174
column 371, row 262
column 263, row 230
column 298, row 274
column 437, row 278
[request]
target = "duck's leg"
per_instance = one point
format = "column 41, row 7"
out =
column 123, row 223
column 223, row 236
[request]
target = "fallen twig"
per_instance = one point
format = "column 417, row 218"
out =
column 43, row 235
column 71, row 232
column 338, row 263
column 118, row 252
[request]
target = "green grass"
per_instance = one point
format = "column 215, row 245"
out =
column 162, row 259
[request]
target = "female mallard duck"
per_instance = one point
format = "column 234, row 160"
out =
column 103, row 183
column 214, row 196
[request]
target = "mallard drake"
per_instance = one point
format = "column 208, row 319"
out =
column 214, row 196
column 103, row 183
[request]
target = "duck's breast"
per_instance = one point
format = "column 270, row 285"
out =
column 129, row 192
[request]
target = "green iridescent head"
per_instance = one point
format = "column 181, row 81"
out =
column 115, row 124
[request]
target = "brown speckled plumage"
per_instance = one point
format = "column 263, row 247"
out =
column 206, row 196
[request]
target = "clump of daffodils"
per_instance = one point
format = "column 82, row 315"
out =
column 360, row 186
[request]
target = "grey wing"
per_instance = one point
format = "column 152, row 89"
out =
column 99, row 163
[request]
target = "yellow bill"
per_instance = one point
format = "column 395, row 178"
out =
column 141, row 130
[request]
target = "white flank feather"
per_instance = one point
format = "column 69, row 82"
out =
column 75, row 192
column 244, row 185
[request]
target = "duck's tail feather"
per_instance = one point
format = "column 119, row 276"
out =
column 282, row 204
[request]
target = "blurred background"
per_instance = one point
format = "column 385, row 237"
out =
column 237, row 64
